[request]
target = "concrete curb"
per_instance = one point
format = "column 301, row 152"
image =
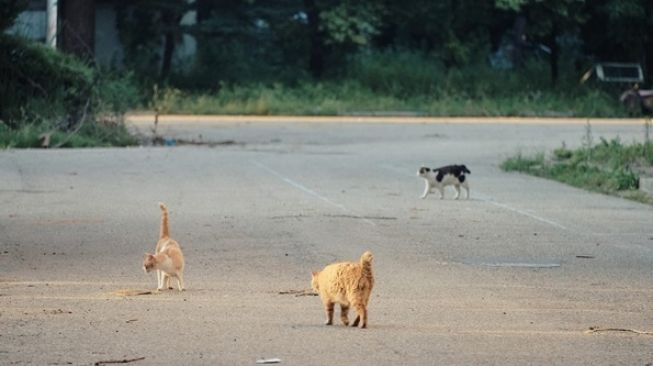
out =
column 148, row 118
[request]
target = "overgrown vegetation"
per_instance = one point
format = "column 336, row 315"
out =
column 49, row 99
column 339, row 57
column 440, row 58
column 609, row 167
column 405, row 81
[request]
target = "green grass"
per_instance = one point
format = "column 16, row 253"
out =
column 98, row 134
column 609, row 167
column 351, row 97
column 404, row 81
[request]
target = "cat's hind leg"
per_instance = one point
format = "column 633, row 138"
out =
column 356, row 321
column 344, row 311
column 466, row 186
column 361, row 317
column 457, row 186
column 180, row 281
column 328, row 307
column 359, row 305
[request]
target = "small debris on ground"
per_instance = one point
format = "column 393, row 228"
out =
column 57, row 311
column 268, row 360
column 128, row 292
column 298, row 293
column 165, row 141
column 127, row 360
column 585, row 256
column 592, row 330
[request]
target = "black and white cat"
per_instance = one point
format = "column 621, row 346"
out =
column 444, row 176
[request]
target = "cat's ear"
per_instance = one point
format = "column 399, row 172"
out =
column 314, row 274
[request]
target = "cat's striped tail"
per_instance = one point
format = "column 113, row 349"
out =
column 366, row 261
column 165, row 232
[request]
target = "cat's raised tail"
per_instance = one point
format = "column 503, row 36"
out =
column 165, row 232
column 366, row 261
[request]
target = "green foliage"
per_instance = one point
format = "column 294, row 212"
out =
column 285, row 41
column 411, row 73
column 351, row 97
column 620, row 30
column 545, row 15
column 562, row 153
column 510, row 4
column 400, row 80
column 606, row 167
column 351, row 23
column 521, row 163
column 36, row 78
column 143, row 28
column 47, row 92
column 90, row 135
column 116, row 93
column 399, row 74
column 458, row 31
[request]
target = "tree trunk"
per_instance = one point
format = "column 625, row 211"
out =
column 78, row 28
column 170, row 21
column 648, row 59
column 168, row 52
column 555, row 53
column 519, row 40
column 316, row 56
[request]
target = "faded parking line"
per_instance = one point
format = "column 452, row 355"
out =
column 311, row 192
column 491, row 201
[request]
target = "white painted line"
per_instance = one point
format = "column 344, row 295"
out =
column 311, row 192
column 521, row 212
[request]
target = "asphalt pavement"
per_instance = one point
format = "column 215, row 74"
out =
column 526, row 271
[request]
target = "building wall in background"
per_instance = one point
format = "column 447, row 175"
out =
column 109, row 52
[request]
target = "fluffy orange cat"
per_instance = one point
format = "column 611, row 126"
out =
column 348, row 284
column 167, row 260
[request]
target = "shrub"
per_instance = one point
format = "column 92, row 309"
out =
column 606, row 167
column 45, row 91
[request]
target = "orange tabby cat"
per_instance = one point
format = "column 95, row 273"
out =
column 168, row 260
column 346, row 283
